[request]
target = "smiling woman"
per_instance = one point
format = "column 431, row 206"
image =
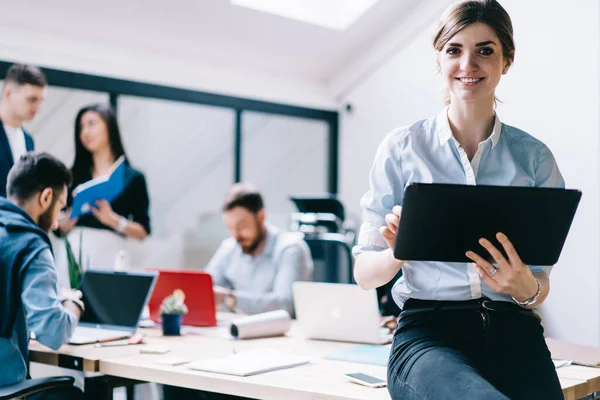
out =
column 465, row 328
column 493, row 55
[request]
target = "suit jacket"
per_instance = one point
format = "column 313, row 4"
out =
column 6, row 157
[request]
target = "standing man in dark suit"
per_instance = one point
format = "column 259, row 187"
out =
column 23, row 92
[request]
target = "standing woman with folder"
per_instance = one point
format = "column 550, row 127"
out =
column 467, row 330
column 106, row 229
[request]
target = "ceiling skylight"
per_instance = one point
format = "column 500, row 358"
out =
column 332, row 14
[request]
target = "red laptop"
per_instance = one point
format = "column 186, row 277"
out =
column 199, row 296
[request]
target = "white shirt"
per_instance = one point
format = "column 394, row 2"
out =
column 16, row 139
column 427, row 152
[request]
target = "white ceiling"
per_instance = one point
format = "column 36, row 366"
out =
column 213, row 33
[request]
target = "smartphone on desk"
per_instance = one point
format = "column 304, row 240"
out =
column 366, row 380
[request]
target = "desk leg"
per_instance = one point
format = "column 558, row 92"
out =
column 98, row 388
column 130, row 392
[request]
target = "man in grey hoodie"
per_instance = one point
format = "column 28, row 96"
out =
column 30, row 302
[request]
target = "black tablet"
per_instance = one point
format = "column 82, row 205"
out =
column 440, row 222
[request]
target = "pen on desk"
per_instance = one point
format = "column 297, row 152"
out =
column 114, row 344
column 137, row 338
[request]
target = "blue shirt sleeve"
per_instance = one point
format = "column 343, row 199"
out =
column 547, row 175
column 218, row 263
column 386, row 190
column 52, row 324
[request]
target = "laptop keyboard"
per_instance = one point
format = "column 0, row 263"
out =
column 83, row 333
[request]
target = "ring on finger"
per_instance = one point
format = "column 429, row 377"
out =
column 493, row 271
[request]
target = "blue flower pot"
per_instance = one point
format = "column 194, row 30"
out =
column 171, row 324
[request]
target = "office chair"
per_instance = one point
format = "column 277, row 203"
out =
column 325, row 203
column 33, row 386
column 332, row 257
column 322, row 214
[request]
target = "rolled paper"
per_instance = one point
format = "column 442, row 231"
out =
column 272, row 323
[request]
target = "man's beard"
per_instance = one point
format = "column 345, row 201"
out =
column 45, row 220
column 254, row 245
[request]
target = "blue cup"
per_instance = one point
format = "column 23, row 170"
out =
column 171, row 324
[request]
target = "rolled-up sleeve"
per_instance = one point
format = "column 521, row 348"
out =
column 52, row 324
column 386, row 189
column 547, row 175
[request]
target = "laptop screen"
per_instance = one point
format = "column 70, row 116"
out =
column 115, row 298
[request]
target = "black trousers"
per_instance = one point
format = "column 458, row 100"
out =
column 477, row 349
column 178, row 393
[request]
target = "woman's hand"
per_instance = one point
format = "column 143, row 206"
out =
column 512, row 276
column 105, row 214
column 390, row 231
column 389, row 322
column 66, row 224
column 373, row 269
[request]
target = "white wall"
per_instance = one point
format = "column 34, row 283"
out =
column 552, row 91
column 151, row 42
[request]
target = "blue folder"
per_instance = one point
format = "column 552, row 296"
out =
column 365, row 354
column 106, row 188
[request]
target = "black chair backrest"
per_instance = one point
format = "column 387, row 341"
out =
column 332, row 257
column 327, row 203
column 33, row 386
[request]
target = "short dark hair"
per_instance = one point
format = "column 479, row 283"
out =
column 243, row 195
column 23, row 74
column 34, row 172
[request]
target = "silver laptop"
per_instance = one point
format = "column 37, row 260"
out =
column 340, row 312
column 114, row 302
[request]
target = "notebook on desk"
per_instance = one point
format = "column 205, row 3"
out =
column 577, row 353
column 250, row 362
column 365, row 354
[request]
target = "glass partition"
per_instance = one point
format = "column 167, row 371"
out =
column 186, row 152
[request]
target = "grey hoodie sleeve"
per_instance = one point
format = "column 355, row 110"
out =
column 52, row 324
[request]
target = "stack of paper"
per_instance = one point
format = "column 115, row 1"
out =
column 249, row 362
column 577, row 353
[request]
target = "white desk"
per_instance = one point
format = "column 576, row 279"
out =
column 321, row 379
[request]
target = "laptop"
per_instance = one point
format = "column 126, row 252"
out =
column 440, row 222
column 199, row 297
column 339, row 312
column 114, row 302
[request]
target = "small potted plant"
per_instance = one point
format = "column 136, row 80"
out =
column 172, row 310
column 75, row 266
